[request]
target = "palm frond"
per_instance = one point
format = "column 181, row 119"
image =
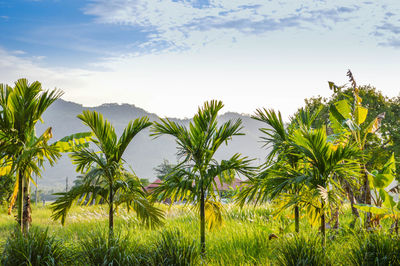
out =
column 102, row 129
column 133, row 128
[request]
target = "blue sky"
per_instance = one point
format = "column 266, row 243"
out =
column 169, row 56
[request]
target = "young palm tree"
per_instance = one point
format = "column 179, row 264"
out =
column 104, row 172
column 21, row 107
column 31, row 161
column 282, row 161
column 324, row 161
column 194, row 178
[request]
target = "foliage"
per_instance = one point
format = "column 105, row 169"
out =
column 374, row 249
column 35, row 248
column 164, row 169
column 277, row 176
column 301, row 250
column 105, row 178
column 94, row 249
column 172, row 248
column 377, row 148
column 194, row 178
column 6, row 188
column 384, row 205
column 22, row 152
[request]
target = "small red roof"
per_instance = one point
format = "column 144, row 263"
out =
column 153, row 185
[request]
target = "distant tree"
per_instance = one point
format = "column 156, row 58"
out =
column 163, row 169
column 144, row 181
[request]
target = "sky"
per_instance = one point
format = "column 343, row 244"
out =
column 169, row 56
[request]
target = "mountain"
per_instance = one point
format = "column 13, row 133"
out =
column 145, row 152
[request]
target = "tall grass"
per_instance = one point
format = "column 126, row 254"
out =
column 374, row 249
column 172, row 248
column 94, row 249
column 242, row 240
column 35, row 248
column 301, row 250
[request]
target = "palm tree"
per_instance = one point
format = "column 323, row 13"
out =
column 194, row 178
column 282, row 161
column 21, row 107
column 324, row 161
column 104, row 175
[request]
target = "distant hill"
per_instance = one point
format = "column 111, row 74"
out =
column 144, row 153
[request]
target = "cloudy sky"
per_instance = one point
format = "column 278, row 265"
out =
column 168, row 56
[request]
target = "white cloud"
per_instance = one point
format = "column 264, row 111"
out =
column 183, row 24
column 174, row 84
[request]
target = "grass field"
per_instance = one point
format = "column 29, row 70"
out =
column 242, row 239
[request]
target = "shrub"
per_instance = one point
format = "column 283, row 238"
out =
column 375, row 249
column 174, row 249
column 37, row 247
column 95, row 250
column 301, row 250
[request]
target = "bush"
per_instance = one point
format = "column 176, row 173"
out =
column 35, row 248
column 301, row 250
column 95, row 250
column 375, row 249
column 174, row 249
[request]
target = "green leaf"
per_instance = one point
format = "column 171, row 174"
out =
column 382, row 180
column 360, row 114
column 341, row 110
column 371, row 208
column 69, row 143
column 390, row 166
column 388, row 200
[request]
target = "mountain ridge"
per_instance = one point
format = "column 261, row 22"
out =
column 145, row 152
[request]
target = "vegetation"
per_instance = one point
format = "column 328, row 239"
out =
column 194, row 178
column 37, row 247
column 333, row 163
column 22, row 152
column 104, row 176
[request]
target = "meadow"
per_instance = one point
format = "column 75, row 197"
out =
column 243, row 238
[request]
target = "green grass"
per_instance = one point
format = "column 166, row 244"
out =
column 242, row 239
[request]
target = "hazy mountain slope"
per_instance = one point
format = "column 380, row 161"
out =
column 145, row 152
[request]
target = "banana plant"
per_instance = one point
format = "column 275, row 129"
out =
column 347, row 120
column 381, row 184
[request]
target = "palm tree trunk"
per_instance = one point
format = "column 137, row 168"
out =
column 111, row 217
column 366, row 195
column 202, row 224
column 27, row 212
column 350, row 195
column 20, row 198
column 336, row 219
column 323, row 224
column 297, row 218
column 354, row 211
